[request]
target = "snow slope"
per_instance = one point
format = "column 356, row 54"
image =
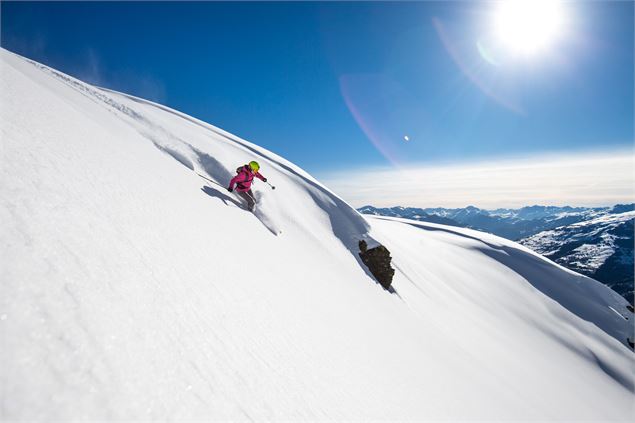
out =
column 134, row 289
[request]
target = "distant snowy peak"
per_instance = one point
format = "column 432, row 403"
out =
column 410, row 213
column 622, row 208
column 467, row 212
column 601, row 248
column 547, row 242
column 608, row 219
column 603, row 227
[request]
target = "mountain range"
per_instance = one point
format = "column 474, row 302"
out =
column 514, row 224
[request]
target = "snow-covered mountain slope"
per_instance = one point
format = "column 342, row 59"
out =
column 601, row 248
column 134, row 289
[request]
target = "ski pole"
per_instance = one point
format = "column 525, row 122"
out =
column 207, row 179
column 272, row 187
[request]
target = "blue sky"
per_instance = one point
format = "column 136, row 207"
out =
column 337, row 86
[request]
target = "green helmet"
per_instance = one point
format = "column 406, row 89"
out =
column 254, row 166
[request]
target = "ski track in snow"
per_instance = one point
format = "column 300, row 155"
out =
column 135, row 290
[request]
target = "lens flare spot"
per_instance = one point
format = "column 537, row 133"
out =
column 388, row 113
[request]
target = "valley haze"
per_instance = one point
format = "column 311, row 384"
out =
column 591, row 179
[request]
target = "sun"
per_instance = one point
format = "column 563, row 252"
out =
column 527, row 27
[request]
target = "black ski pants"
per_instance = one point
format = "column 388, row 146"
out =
column 248, row 196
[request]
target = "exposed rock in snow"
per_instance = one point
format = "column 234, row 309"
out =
column 377, row 260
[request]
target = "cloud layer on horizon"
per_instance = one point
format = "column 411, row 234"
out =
column 587, row 179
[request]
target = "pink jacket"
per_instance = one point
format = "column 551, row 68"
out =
column 244, row 179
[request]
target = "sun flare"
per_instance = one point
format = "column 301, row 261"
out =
column 528, row 27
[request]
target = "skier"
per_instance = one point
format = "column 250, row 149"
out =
column 243, row 179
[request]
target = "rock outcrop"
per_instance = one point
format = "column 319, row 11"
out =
column 377, row 260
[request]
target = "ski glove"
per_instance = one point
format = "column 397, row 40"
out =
column 264, row 179
column 230, row 189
